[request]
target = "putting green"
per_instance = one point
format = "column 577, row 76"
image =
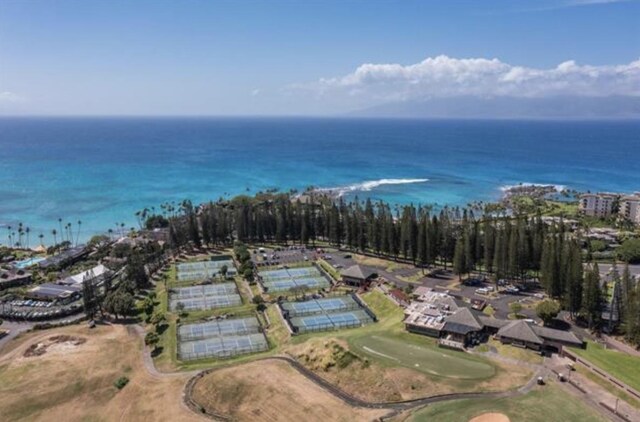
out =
column 430, row 359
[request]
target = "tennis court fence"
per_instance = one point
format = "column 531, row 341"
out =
column 326, row 327
column 222, row 354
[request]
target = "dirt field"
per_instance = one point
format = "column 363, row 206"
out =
column 273, row 391
column 369, row 380
column 491, row 417
column 68, row 374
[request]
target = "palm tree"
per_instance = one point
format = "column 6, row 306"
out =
column 61, row 232
column 54, row 232
column 110, row 231
column 41, row 236
column 27, row 230
column 20, row 234
column 78, row 236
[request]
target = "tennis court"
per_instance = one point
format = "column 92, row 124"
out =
column 330, row 321
column 225, row 346
column 307, row 283
column 217, row 328
column 201, row 270
column 289, row 278
column 207, row 302
column 200, row 298
column 205, row 290
column 320, row 306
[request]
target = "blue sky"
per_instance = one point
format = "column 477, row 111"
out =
column 305, row 57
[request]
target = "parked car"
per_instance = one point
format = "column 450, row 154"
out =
column 512, row 290
column 482, row 291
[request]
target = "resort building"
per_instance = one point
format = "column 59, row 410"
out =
column 597, row 204
column 64, row 258
column 630, row 208
column 358, row 275
column 97, row 274
column 58, row 293
column 457, row 325
column 526, row 334
column 13, row 277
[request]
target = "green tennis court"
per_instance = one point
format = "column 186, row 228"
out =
column 430, row 359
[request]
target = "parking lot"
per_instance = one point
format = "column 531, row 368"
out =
column 282, row 256
column 37, row 310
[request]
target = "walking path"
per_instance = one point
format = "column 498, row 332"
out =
column 578, row 386
column 620, row 346
column 606, row 403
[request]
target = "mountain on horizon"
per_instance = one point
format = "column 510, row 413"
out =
column 570, row 107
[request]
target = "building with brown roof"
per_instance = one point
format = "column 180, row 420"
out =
column 455, row 324
column 526, row 334
column 358, row 275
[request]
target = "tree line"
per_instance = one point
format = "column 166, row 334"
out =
column 517, row 248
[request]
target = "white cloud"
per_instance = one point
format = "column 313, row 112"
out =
column 255, row 92
column 11, row 97
column 590, row 2
column 443, row 76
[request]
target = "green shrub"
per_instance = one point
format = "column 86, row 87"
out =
column 121, row 382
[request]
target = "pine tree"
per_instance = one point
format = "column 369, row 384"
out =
column 459, row 265
column 592, row 300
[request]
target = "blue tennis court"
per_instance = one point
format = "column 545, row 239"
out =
column 318, row 306
column 282, row 285
column 325, row 314
column 331, row 321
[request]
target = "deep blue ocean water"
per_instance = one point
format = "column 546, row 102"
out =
column 101, row 171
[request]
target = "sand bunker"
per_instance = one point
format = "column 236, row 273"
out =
column 39, row 349
column 491, row 417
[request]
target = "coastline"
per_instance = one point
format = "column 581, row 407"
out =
column 101, row 171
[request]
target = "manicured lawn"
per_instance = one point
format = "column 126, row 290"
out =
column 421, row 354
column 548, row 403
column 517, row 353
column 330, row 269
column 388, row 313
column 622, row 366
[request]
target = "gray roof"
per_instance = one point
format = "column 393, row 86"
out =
column 358, row 271
column 557, row 335
column 462, row 322
column 520, row 330
column 493, row 322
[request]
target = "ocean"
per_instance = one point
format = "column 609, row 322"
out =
column 102, row 170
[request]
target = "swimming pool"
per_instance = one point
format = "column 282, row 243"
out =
column 25, row 263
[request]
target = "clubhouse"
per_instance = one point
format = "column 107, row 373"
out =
column 457, row 325
column 358, row 275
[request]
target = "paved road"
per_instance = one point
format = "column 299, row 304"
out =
column 15, row 329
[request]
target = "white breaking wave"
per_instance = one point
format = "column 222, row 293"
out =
column 369, row 185
column 558, row 188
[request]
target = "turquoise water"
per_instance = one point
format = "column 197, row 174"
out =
column 26, row 263
column 101, row 171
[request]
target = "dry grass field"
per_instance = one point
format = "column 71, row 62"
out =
column 273, row 391
column 68, row 374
